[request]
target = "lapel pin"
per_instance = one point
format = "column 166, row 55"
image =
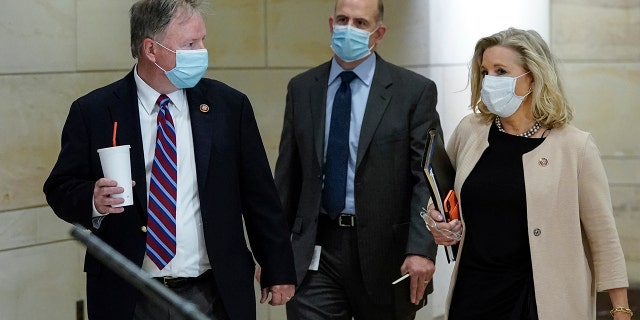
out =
column 204, row 108
column 143, row 228
column 543, row 162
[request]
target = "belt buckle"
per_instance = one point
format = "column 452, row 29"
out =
column 167, row 279
column 346, row 220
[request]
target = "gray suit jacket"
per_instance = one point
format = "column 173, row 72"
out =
column 390, row 187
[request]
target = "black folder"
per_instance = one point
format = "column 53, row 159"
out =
column 440, row 176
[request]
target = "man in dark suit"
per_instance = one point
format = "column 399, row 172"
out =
column 222, row 177
column 347, row 255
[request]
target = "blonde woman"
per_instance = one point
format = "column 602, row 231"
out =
column 538, row 233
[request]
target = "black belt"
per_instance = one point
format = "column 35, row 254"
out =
column 179, row 282
column 343, row 220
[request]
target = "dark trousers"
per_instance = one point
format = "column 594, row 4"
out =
column 336, row 291
column 202, row 293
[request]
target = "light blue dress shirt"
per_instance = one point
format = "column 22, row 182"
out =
column 360, row 87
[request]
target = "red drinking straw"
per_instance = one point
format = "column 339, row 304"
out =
column 115, row 129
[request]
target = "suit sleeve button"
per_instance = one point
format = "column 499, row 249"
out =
column 536, row 232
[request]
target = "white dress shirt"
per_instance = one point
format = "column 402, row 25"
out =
column 191, row 257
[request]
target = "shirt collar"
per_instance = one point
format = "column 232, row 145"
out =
column 364, row 70
column 147, row 96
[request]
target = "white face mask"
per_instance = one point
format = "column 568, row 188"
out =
column 499, row 95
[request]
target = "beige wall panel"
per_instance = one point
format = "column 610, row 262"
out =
column 633, row 271
column 607, row 103
column 622, row 170
column 103, row 35
column 37, row 36
column 407, row 39
column 267, row 91
column 31, row 117
column 49, row 228
column 235, row 33
column 262, row 310
column 275, row 313
column 298, row 32
column 17, row 229
column 630, row 249
column 626, row 207
column 29, row 227
column 596, row 29
column 42, row 282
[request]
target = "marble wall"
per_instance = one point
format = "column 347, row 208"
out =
column 598, row 44
column 56, row 51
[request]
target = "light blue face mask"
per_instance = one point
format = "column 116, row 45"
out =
column 350, row 43
column 190, row 67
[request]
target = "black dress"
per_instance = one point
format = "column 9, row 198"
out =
column 495, row 280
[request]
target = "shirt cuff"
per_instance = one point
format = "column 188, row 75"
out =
column 96, row 217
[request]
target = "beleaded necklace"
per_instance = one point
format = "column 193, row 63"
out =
column 527, row 134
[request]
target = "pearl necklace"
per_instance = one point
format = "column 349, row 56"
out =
column 527, row 134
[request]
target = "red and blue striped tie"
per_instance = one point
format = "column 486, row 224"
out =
column 161, row 223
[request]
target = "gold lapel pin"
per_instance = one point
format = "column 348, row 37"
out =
column 143, row 228
column 204, row 108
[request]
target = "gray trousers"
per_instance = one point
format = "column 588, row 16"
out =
column 336, row 291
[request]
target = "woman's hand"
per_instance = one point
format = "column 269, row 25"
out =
column 444, row 233
column 619, row 297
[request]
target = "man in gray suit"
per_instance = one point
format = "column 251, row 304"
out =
column 350, row 180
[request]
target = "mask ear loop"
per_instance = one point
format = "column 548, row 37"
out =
column 161, row 45
column 372, row 32
column 525, row 95
column 530, row 88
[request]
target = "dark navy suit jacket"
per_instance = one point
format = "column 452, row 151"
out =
column 234, row 182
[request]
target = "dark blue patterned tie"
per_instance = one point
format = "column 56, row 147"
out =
column 161, row 223
column 337, row 157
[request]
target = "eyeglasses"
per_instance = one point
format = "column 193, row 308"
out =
column 431, row 226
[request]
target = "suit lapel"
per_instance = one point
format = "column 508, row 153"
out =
column 202, row 111
column 124, row 110
column 377, row 103
column 318, row 103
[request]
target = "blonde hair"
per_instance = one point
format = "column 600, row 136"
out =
column 549, row 105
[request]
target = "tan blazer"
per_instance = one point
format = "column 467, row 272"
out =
column 575, row 249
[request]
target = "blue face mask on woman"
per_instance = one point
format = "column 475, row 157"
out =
column 350, row 43
column 190, row 67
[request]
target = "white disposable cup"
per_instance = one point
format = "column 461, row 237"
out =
column 116, row 165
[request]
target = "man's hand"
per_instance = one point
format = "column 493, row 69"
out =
column 102, row 199
column 421, row 271
column 280, row 294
